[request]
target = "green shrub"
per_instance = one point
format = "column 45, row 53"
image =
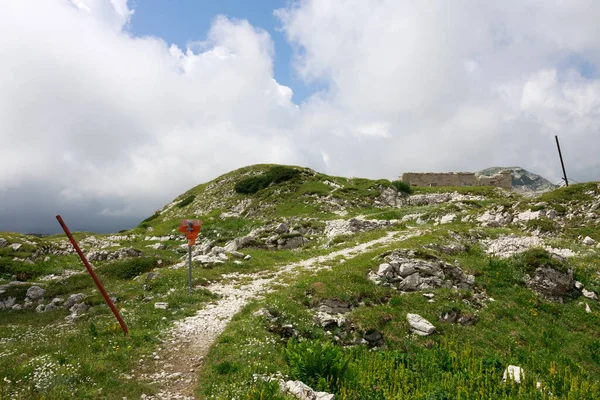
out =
column 252, row 184
column 279, row 173
column 226, row 367
column 127, row 269
column 265, row 391
column 322, row 366
column 186, row 201
column 275, row 175
column 150, row 218
column 402, row 187
column 24, row 271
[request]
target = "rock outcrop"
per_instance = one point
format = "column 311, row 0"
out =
column 405, row 271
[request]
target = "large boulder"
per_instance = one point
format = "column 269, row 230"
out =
column 551, row 284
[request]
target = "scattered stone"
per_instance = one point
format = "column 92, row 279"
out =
column 588, row 241
column 281, row 229
column 247, row 257
column 3, row 243
column 403, row 270
column 374, row 339
column 589, row 294
column 151, row 276
column 446, row 219
column 334, row 306
column 78, row 309
column 161, row 305
column 263, row 312
column 35, row 292
column 578, row 285
column 40, row 308
column 420, row 325
column 17, row 307
column 328, row 321
column 73, row 299
column 587, row 308
column 339, row 227
column 7, row 303
column 303, row 392
column 290, row 243
column 513, row 373
column 240, row 243
column 16, row 246
column 456, row 316
column 237, row 254
column 507, row 246
column 104, row 255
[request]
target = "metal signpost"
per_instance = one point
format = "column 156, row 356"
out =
column 93, row 274
column 191, row 228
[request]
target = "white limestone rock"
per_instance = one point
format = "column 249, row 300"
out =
column 513, row 373
column 420, row 325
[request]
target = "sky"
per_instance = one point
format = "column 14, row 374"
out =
column 110, row 109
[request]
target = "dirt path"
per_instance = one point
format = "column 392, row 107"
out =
column 188, row 341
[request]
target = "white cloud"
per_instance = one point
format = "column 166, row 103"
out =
column 98, row 120
column 458, row 85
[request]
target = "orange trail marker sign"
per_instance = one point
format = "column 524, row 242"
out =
column 191, row 228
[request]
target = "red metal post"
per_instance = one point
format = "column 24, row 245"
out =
column 93, row 274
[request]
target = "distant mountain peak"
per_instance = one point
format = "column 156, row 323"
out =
column 522, row 180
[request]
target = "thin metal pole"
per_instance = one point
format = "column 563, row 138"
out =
column 93, row 274
column 190, row 267
column 561, row 161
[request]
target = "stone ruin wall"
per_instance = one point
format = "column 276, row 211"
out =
column 502, row 180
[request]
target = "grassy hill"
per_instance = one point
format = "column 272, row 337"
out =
column 505, row 280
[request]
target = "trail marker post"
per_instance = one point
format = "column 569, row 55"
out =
column 191, row 228
column 93, row 275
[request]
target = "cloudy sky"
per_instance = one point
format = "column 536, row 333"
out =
column 111, row 108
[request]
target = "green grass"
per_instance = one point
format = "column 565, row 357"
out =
column 554, row 343
column 44, row 358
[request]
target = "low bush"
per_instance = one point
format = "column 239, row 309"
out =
column 402, row 187
column 129, row 268
column 275, row 175
column 279, row 173
column 252, row 184
column 186, row 201
column 150, row 218
column 264, row 390
column 322, row 366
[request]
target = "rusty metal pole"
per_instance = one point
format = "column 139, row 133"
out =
column 93, row 274
column 561, row 161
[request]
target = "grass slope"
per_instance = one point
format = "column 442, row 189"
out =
column 558, row 345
